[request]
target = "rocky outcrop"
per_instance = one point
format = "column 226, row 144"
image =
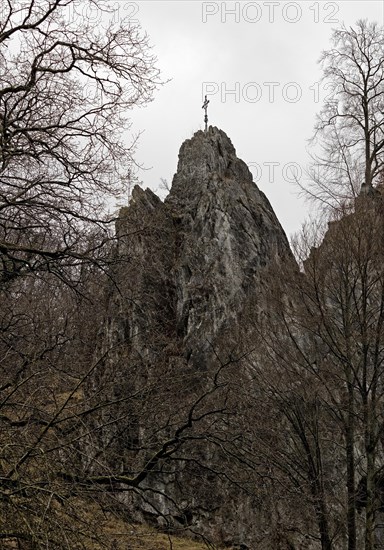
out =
column 188, row 269
column 198, row 256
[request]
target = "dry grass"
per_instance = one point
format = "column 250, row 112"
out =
column 140, row 538
column 114, row 533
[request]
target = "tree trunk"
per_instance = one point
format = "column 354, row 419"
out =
column 350, row 451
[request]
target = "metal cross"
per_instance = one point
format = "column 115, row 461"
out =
column 205, row 107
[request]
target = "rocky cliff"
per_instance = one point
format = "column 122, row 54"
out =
column 198, row 256
column 191, row 267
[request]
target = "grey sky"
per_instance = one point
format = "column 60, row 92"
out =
column 266, row 53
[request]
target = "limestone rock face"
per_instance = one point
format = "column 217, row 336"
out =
column 228, row 232
column 193, row 264
column 199, row 255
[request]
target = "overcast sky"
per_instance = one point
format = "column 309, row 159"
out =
column 257, row 63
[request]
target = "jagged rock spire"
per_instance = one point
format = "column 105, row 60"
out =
column 215, row 232
column 195, row 263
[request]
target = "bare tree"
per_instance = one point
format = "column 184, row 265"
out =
column 86, row 424
column 66, row 89
column 325, row 333
column 350, row 126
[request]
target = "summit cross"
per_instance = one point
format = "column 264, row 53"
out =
column 205, row 107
